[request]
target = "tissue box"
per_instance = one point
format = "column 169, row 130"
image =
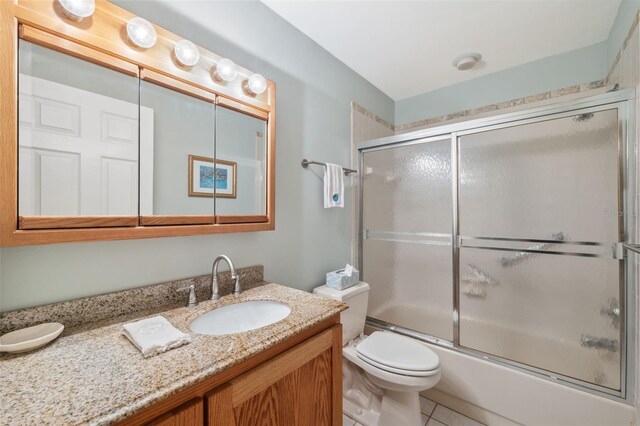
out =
column 340, row 281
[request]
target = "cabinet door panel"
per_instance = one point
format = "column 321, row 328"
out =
column 295, row 388
column 240, row 185
column 176, row 171
column 302, row 397
column 189, row 414
column 78, row 137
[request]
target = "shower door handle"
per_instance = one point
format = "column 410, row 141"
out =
column 621, row 247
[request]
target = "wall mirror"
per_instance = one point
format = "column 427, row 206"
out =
column 78, row 140
column 104, row 140
column 240, row 182
column 179, row 126
column 98, row 142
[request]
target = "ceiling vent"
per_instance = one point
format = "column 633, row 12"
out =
column 467, row 61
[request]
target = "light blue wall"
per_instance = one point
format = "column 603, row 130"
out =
column 620, row 28
column 555, row 72
column 314, row 91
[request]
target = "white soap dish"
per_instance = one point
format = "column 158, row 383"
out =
column 30, row 338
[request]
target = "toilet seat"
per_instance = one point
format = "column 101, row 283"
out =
column 388, row 379
column 398, row 370
column 398, row 354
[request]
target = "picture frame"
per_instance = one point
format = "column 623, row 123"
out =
column 207, row 180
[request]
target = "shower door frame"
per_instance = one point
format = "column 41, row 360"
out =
column 628, row 224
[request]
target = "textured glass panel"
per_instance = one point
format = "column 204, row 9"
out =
column 408, row 188
column 410, row 285
column 180, row 126
column 552, row 312
column 241, row 167
column 406, row 200
column 537, row 180
column 78, row 136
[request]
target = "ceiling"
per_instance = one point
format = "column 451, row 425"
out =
column 406, row 48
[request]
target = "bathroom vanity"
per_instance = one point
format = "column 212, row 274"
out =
column 296, row 382
column 289, row 372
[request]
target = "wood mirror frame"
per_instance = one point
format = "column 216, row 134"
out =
column 102, row 39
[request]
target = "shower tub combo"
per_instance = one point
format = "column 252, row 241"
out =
column 500, row 240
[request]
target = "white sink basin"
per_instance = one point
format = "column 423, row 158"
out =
column 240, row 317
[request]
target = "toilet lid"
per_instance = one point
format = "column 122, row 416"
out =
column 397, row 352
column 398, row 370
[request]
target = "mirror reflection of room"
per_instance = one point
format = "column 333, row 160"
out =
column 181, row 126
column 78, row 136
column 240, row 163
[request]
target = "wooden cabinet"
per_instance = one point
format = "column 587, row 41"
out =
column 191, row 413
column 297, row 382
column 294, row 388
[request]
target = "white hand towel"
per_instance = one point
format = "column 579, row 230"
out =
column 333, row 186
column 155, row 335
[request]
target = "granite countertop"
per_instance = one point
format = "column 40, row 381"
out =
column 96, row 376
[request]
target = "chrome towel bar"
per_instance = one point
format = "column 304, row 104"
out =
column 305, row 163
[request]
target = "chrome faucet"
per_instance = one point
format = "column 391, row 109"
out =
column 215, row 290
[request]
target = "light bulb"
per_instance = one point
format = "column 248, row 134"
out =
column 78, row 9
column 141, row 32
column 186, row 53
column 255, row 85
column 225, row 70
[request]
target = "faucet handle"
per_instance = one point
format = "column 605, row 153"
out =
column 236, row 287
column 192, row 301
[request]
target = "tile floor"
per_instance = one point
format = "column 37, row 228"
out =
column 432, row 415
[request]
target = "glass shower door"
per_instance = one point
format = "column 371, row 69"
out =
column 406, row 225
column 538, row 221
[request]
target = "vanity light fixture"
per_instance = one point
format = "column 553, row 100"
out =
column 255, row 85
column 141, row 32
column 78, row 9
column 186, row 53
column 225, row 70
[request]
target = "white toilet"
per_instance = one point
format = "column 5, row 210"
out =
column 384, row 372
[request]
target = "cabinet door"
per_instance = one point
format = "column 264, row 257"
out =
column 189, row 414
column 78, row 142
column 299, row 387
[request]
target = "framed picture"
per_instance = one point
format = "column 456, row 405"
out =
column 205, row 180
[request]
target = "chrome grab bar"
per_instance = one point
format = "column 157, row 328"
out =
column 540, row 247
column 429, row 238
column 508, row 261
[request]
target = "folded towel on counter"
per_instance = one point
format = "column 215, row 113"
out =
column 155, row 335
column 333, row 186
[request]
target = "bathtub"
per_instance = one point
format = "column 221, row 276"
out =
column 493, row 393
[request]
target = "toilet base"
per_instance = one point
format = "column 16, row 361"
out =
column 370, row 405
column 360, row 399
column 400, row 408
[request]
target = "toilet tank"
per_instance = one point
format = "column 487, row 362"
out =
column 357, row 297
